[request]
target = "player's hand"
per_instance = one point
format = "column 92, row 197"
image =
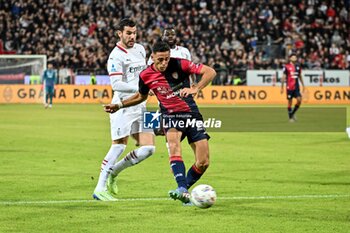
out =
column 281, row 91
column 303, row 89
column 110, row 108
column 151, row 93
column 194, row 85
column 189, row 91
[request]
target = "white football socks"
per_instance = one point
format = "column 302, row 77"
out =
column 132, row 158
column 113, row 154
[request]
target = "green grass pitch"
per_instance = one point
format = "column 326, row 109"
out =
column 266, row 182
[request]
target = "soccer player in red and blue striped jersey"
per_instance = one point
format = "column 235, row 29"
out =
column 169, row 79
column 292, row 75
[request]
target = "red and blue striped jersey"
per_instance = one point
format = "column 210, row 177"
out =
column 167, row 85
column 292, row 73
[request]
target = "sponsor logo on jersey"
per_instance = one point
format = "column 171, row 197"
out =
column 113, row 69
column 175, row 93
column 162, row 90
column 175, row 75
column 137, row 68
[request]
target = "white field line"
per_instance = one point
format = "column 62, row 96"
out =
column 165, row 199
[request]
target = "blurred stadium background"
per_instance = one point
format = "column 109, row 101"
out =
column 232, row 36
column 280, row 181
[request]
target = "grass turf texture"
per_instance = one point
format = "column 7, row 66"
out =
column 55, row 154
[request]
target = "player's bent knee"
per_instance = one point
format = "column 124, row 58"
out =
column 173, row 145
column 144, row 138
column 120, row 141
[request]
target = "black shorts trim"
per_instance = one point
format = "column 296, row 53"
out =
column 191, row 131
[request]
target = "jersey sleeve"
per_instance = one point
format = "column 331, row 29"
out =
column 143, row 88
column 188, row 55
column 190, row 67
column 144, row 52
column 115, row 71
column 114, row 67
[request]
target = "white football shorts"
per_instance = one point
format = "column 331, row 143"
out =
column 127, row 121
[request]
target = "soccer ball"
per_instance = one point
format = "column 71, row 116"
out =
column 203, row 196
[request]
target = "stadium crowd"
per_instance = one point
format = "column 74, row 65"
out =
column 231, row 35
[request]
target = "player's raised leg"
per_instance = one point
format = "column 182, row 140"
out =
column 146, row 149
column 201, row 150
column 178, row 167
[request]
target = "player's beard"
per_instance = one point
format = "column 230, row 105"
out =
column 129, row 44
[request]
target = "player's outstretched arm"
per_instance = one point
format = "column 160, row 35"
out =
column 208, row 74
column 133, row 100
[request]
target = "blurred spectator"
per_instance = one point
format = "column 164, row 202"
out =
column 234, row 35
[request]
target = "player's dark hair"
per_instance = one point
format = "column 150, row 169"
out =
column 160, row 46
column 293, row 53
column 125, row 23
column 169, row 27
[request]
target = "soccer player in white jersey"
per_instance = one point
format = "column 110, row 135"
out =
column 176, row 51
column 125, row 63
